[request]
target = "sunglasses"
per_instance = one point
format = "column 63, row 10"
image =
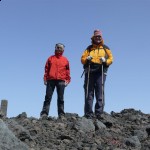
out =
column 59, row 49
column 97, row 37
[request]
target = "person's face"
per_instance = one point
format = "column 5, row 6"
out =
column 97, row 39
column 58, row 50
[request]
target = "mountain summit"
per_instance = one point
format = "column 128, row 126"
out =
column 126, row 130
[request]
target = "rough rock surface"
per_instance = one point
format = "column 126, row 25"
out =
column 126, row 130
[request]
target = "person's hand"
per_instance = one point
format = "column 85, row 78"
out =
column 89, row 57
column 103, row 59
column 66, row 83
column 45, row 82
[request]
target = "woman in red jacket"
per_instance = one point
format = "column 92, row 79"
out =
column 57, row 74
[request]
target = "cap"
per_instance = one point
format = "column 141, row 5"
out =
column 97, row 32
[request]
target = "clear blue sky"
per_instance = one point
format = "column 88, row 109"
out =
column 30, row 29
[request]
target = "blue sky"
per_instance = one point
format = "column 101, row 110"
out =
column 30, row 29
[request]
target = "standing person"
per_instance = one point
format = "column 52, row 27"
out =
column 96, row 59
column 57, row 74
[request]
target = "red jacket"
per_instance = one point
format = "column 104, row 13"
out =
column 57, row 68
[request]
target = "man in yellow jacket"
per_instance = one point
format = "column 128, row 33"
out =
column 96, row 59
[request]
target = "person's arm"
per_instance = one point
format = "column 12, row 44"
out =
column 47, row 68
column 68, row 78
column 109, row 60
column 84, row 57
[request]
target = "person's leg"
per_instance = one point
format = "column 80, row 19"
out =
column 60, row 97
column 88, row 111
column 99, row 93
column 49, row 92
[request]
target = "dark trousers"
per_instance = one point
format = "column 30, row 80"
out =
column 94, row 88
column 60, row 87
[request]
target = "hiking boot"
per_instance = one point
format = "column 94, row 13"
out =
column 89, row 116
column 62, row 117
column 44, row 116
column 99, row 117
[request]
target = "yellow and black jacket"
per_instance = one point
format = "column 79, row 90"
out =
column 97, row 51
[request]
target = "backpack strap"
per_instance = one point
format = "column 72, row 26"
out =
column 89, row 49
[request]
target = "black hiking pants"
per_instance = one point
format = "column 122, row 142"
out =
column 60, row 87
column 94, row 88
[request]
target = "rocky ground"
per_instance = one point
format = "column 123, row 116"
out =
column 126, row 130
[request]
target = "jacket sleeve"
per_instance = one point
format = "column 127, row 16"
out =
column 68, row 78
column 109, row 59
column 47, row 68
column 84, row 56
